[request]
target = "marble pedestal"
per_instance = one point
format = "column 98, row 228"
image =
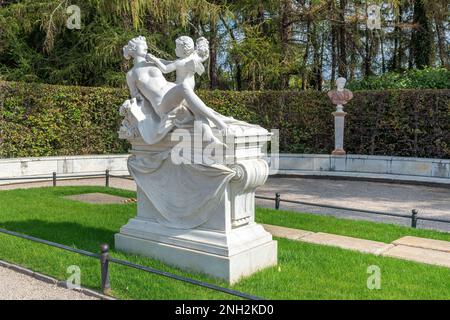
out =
column 339, row 124
column 228, row 244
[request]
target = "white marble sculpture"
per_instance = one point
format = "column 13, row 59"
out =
column 339, row 97
column 194, row 214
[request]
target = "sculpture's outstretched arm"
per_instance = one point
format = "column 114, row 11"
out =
column 166, row 62
column 166, row 66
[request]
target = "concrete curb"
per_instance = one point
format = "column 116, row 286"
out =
column 403, row 170
column 369, row 177
column 432, row 252
column 390, row 167
column 53, row 281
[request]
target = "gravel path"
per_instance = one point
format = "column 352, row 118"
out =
column 377, row 196
column 17, row 286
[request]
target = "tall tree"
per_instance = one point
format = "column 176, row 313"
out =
column 213, row 43
column 316, row 43
column 254, row 44
column 285, row 36
column 422, row 37
column 237, row 63
column 440, row 13
column 333, row 39
column 342, row 43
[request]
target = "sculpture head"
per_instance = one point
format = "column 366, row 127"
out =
column 340, row 83
column 184, row 46
column 136, row 47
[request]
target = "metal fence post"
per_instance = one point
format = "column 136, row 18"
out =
column 54, row 179
column 104, row 266
column 414, row 213
column 107, row 178
column 277, row 201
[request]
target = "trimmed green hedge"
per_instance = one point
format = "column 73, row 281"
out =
column 45, row 120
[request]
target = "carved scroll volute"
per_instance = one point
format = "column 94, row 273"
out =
column 250, row 174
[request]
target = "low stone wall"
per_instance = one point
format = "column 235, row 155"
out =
column 63, row 166
column 350, row 166
column 377, row 167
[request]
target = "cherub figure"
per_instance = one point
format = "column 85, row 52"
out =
column 190, row 60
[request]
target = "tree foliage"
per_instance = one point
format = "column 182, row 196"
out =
column 256, row 45
column 427, row 78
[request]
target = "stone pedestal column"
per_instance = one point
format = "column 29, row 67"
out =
column 339, row 97
column 339, row 125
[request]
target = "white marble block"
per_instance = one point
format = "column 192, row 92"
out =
column 220, row 237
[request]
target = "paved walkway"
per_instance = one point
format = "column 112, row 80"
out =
column 17, row 286
column 386, row 197
column 397, row 198
column 435, row 252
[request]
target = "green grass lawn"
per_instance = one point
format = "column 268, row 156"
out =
column 305, row 271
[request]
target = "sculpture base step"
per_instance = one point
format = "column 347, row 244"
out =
column 230, row 268
column 339, row 152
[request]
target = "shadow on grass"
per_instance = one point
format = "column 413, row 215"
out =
column 89, row 239
column 67, row 233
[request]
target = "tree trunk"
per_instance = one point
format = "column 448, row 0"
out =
column 353, row 48
column 319, row 74
column 383, row 59
column 316, row 56
column 333, row 42
column 343, row 67
column 238, row 77
column 442, row 43
column 397, row 57
column 368, row 54
column 261, row 19
column 213, row 44
column 238, row 73
column 422, row 37
column 368, row 51
column 285, row 35
column 306, row 54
